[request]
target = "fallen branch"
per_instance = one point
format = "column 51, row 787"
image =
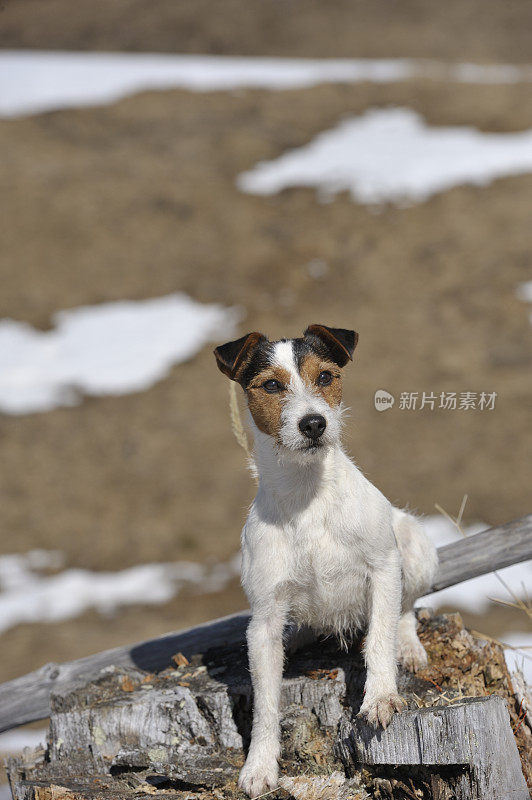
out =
column 484, row 552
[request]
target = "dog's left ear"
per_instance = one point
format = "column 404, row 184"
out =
column 339, row 342
column 232, row 356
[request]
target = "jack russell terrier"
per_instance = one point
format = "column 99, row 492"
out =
column 321, row 547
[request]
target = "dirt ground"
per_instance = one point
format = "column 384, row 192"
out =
column 139, row 200
column 471, row 30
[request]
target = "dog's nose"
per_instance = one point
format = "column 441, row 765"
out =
column 312, row 425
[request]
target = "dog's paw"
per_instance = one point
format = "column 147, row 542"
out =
column 258, row 776
column 412, row 655
column 379, row 710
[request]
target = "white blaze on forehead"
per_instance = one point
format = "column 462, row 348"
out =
column 284, row 357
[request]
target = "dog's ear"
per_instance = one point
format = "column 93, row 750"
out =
column 232, row 356
column 339, row 342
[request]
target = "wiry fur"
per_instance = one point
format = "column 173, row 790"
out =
column 324, row 549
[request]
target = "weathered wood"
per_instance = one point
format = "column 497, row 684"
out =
column 186, row 725
column 474, row 734
column 129, row 733
column 484, row 552
column 27, row 698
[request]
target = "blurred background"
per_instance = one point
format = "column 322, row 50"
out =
column 160, row 196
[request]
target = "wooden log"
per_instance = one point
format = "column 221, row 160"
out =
column 185, row 727
column 484, row 552
column 473, row 736
column 27, row 698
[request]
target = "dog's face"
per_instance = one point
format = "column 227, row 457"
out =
column 293, row 386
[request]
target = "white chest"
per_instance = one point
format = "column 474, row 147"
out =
column 312, row 545
column 326, row 576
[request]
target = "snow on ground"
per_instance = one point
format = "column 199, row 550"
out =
column 521, row 657
column 474, row 595
column 16, row 740
column 108, row 349
column 13, row 743
column 33, row 81
column 524, row 293
column 391, row 155
column 27, row 595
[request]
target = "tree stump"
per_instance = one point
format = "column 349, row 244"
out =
column 182, row 733
column 473, row 738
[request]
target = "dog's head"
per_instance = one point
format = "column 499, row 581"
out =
column 293, row 386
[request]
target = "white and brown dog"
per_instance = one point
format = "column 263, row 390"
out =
column 321, row 547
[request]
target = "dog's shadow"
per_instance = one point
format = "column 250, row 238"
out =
column 320, row 661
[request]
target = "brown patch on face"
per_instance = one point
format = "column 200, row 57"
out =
column 265, row 407
column 311, row 367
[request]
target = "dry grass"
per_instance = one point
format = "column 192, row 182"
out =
column 237, row 427
column 456, row 521
column 476, row 31
column 523, row 605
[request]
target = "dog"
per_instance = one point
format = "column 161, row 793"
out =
column 322, row 548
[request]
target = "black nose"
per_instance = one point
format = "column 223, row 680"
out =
column 312, row 425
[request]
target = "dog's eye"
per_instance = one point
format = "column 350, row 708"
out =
column 324, row 378
column 272, row 386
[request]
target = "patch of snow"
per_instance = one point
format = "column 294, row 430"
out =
column 441, row 531
column 391, row 155
column 489, row 73
column 33, row 81
column 524, row 293
column 33, row 597
column 13, row 743
column 16, row 740
column 14, row 569
column 108, row 349
column 317, row 268
column 520, row 658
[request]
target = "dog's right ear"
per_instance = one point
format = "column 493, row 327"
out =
column 232, row 356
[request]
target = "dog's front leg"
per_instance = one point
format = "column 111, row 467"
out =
column 265, row 649
column 381, row 697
